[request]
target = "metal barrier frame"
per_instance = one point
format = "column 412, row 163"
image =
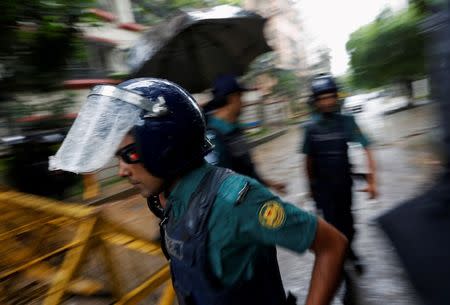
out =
column 93, row 230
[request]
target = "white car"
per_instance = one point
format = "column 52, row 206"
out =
column 355, row 103
column 395, row 103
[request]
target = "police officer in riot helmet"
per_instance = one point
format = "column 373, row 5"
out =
column 327, row 164
column 220, row 228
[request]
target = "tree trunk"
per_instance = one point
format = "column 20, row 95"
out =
column 409, row 92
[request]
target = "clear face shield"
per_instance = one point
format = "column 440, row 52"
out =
column 107, row 116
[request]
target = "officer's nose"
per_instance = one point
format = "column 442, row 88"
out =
column 123, row 169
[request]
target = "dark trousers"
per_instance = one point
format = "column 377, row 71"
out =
column 335, row 201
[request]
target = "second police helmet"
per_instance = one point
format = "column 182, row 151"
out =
column 323, row 84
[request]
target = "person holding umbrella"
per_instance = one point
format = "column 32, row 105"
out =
column 231, row 148
column 220, row 228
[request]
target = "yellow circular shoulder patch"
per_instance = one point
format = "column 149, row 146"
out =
column 271, row 215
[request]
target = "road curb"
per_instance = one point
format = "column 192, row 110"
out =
column 267, row 138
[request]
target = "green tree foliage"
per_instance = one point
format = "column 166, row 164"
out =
column 177, row 4
column 425, row 7
column 36, row 40
column 388, row 50
column 288, row 84
column 345, row 83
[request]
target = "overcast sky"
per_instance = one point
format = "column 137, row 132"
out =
column 330, row 22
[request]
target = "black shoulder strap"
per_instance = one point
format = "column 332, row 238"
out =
column 200, row 204
column 204, row 196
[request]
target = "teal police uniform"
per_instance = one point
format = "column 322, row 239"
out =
column 245, row 218
column 231, row 149
column 351, row 129
column 217, row 131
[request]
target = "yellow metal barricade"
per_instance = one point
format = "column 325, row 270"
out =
column 45, row 245
column 91, row 187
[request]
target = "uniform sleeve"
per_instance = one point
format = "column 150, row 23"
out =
column 356, row 135
column 264, row 218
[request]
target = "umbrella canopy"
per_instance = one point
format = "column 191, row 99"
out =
column 193, row 48
column 420, row 232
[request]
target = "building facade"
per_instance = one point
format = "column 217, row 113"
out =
column 284, row 32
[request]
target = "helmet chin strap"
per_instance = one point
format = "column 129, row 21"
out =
column 155, row 206
column 153, row 201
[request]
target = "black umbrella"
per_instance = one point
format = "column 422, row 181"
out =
column 193, row 48
column 420, row 228
column 420, row 232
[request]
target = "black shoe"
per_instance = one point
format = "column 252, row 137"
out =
column 358, row 265
column 360, row 268
column 291, row 299
column 349, row 298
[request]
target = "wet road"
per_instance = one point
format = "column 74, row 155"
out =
column 408, row 159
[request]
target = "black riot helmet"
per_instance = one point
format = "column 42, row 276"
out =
column 323, row 84
column 174, row 141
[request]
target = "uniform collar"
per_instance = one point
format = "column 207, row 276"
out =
column 320, row 118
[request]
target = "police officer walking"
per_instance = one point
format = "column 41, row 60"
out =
column 327, row 163
column 231, row 148
column 220, row 228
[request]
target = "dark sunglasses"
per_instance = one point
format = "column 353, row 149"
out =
column 129, row 154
